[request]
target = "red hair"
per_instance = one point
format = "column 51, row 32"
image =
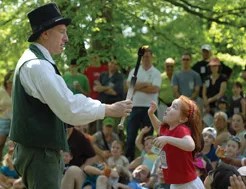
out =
column 190, row 110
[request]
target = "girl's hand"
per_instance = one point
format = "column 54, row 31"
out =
column 160, row 141
column 152, row 108
column 145, row 130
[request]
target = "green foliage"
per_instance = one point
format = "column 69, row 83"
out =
column 116, row 27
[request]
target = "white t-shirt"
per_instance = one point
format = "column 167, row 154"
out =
column 153, row 76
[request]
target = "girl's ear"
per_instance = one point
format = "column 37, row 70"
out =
column 183, row 120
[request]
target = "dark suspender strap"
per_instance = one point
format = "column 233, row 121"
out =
column 105, row 142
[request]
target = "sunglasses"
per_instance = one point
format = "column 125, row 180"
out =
column 185, row 59
column 169, row 66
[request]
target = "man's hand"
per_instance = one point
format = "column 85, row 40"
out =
column 119, row 109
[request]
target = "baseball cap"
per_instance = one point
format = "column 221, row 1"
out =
column 108, row 121
column 210, row 130
column 206, row 47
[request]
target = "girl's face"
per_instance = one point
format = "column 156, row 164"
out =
column 208, row 139
column 116, row 149
column 148, row 145
column 67, row 157
column 236, row 90
column 231, row 148
column 237, row 123
column 172, row 116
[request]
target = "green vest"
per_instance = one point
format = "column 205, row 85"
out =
column 33, row 123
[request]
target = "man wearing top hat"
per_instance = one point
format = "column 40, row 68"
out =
column 42, row 103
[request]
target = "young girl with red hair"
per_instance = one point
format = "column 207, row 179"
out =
column 179, row 137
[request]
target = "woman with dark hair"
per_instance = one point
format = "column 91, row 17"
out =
column 5, row 109
column 214, row 86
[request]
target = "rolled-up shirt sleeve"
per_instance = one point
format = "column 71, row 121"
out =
column 40, row 81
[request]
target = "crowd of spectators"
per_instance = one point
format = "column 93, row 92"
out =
column 98, row 159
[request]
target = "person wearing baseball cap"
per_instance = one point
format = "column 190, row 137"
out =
column 103, row 139
column 42, row 103
column 202, row 67
column 209, row 135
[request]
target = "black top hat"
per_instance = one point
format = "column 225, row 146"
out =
column 44, row 18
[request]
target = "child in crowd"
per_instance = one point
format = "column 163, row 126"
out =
column 144, row 144
column 180, row 139
column 116, row 158
column 237, row 101
column 67, row 157
column 222, row 105
column 238, row 125
column 209, row 135
column 9, row 177
column 140, row 178
column 231, row 149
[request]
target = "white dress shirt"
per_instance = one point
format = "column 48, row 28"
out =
column 40, row 81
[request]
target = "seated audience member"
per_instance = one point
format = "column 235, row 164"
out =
column 231, row 149
column 238, row 125
column 222, row 105
column 8, row 176
column 221, row 126
column 102, row 140
column 117, row 158
column 220, row 177
column 83, row 154
column 67, row 157
column 147, row 156
column 140, row 177
column 209, row 134
column 140, row 138
column 237, row 101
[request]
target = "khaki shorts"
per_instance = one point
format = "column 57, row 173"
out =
column 39, row 168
